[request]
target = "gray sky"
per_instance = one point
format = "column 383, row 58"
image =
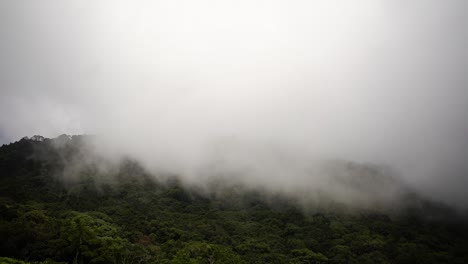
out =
column 181, row 84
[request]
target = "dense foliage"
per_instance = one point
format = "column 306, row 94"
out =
column 52, row 212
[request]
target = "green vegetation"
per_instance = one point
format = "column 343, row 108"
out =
column 53, row 211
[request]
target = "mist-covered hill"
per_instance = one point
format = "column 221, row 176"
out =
column 59, row 202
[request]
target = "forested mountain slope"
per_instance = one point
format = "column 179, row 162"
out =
column 51, row 211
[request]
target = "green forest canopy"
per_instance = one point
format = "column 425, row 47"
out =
column 131, row 217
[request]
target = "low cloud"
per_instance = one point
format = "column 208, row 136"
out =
column 260, row 91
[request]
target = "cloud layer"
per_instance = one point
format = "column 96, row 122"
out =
column 268, row 87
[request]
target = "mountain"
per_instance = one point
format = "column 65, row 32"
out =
column 60, row 203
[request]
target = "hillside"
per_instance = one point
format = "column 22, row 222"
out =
column 119, row 213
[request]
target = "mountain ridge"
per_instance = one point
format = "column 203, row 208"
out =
column 126, row 215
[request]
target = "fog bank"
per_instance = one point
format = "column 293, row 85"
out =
column 257, row 90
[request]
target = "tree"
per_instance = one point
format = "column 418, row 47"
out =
column 303, row 256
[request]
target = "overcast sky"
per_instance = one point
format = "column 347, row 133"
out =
column 179, row 84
